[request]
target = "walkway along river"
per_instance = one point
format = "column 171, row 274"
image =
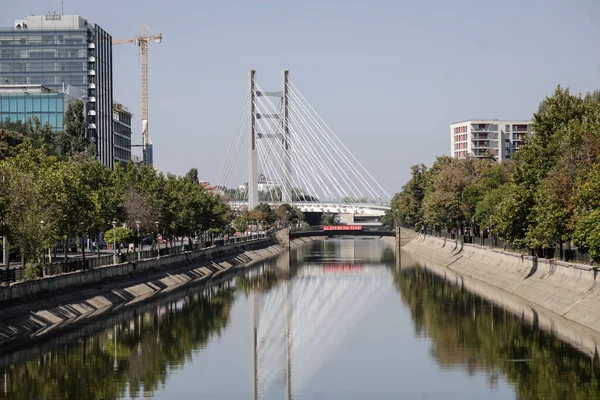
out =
column 332, row 319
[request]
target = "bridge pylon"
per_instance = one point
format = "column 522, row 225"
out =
column 252, row 150
column 253, row 136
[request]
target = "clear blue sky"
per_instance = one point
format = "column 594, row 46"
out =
column 387, row 76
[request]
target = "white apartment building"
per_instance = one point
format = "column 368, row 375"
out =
column 484, row 137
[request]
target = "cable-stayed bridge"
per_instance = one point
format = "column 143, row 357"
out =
column 284, row 152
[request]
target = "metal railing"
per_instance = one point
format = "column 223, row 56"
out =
column 16, row 273
column 566, row 254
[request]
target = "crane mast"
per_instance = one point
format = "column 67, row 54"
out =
column 142, row 42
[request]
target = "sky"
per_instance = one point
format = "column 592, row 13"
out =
column 387, row 76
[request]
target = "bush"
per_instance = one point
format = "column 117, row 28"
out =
column 32, row 270
column 123, row 235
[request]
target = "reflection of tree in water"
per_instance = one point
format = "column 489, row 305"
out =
column 147, row 349
column 261, row 283
column 471, row 332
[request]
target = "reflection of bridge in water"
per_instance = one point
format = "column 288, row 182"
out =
column 298, row 323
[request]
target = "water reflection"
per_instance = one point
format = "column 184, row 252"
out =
column 136, row 356
column 472, row 334
column 332, row 319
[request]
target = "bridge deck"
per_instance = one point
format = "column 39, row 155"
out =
column 330, row 233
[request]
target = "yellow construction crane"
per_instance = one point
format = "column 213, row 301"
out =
column 142, row 42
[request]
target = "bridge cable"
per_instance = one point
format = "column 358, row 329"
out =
column 296, row 90
column 312, row 153
column 344, row 159
column 301, row 175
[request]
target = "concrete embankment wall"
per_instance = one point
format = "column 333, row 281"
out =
column 48, row 285
column 556, row 296
column 25, row 320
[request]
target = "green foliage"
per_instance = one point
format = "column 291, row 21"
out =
column 587, row 234
column 242, row 221
column 545, row 196
column 122, row 235
column 288, row 213
column 192, row 176
column 32, row 270
column 330, row 219
column 45, row 198
column 263, row 213
column 73, row 140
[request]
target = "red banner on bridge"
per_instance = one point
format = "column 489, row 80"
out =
column 342, row 228
column 342, row 268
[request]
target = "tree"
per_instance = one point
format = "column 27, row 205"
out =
column 29, row 201
column 330, row 219
column 287, row 213
column 9, row 142
column 241, row 222
column 120, row 234
column 192, row 176
column 73, row 139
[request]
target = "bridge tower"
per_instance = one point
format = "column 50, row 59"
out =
column 252, row 151
column 286, row 189
column 253, row 136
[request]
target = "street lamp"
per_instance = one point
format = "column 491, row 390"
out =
column 157, row 242
column 42, row 227
column 114, row 225
column 490, row 232
column 82, row 242
column 137, row 224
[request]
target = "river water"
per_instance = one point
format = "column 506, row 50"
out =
column 334, row 319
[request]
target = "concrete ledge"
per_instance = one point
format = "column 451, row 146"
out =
column 565, row 290
column 24, row 321
column 47, row 286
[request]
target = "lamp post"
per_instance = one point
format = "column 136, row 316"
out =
column 137, row 225
column 5, row 250
column 82, row 242
column 114, row 225
column 490, row 232
column 157, row 242
column 3, row 243
column 42, row 224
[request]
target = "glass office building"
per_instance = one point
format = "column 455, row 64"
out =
column 122, row 133
column 20, row 103
column 59, row 51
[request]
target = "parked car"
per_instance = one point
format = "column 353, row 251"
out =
column 147, row 240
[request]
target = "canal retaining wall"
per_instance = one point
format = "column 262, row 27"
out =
column 551, row 294
column 49, row 285
column 120, row 286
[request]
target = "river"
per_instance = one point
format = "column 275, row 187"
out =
column 334, row 319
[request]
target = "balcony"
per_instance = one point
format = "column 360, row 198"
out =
column 484, row 128
column 91, row 59
column 91, row 126
column 484, row 144
column 91, row 86
column 91, row 46
column 91, row 112
column 91, row 72
column 486, row 136
column 91, row 99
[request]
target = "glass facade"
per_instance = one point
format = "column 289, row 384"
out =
column 59, row 52
column 122, row 134
column 47, row 107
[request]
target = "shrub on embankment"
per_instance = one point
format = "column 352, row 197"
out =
column 547, row 196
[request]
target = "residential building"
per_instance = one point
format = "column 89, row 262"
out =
column 122, row 133
column 22, row 102
column 58, row 51
column 495, row 138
